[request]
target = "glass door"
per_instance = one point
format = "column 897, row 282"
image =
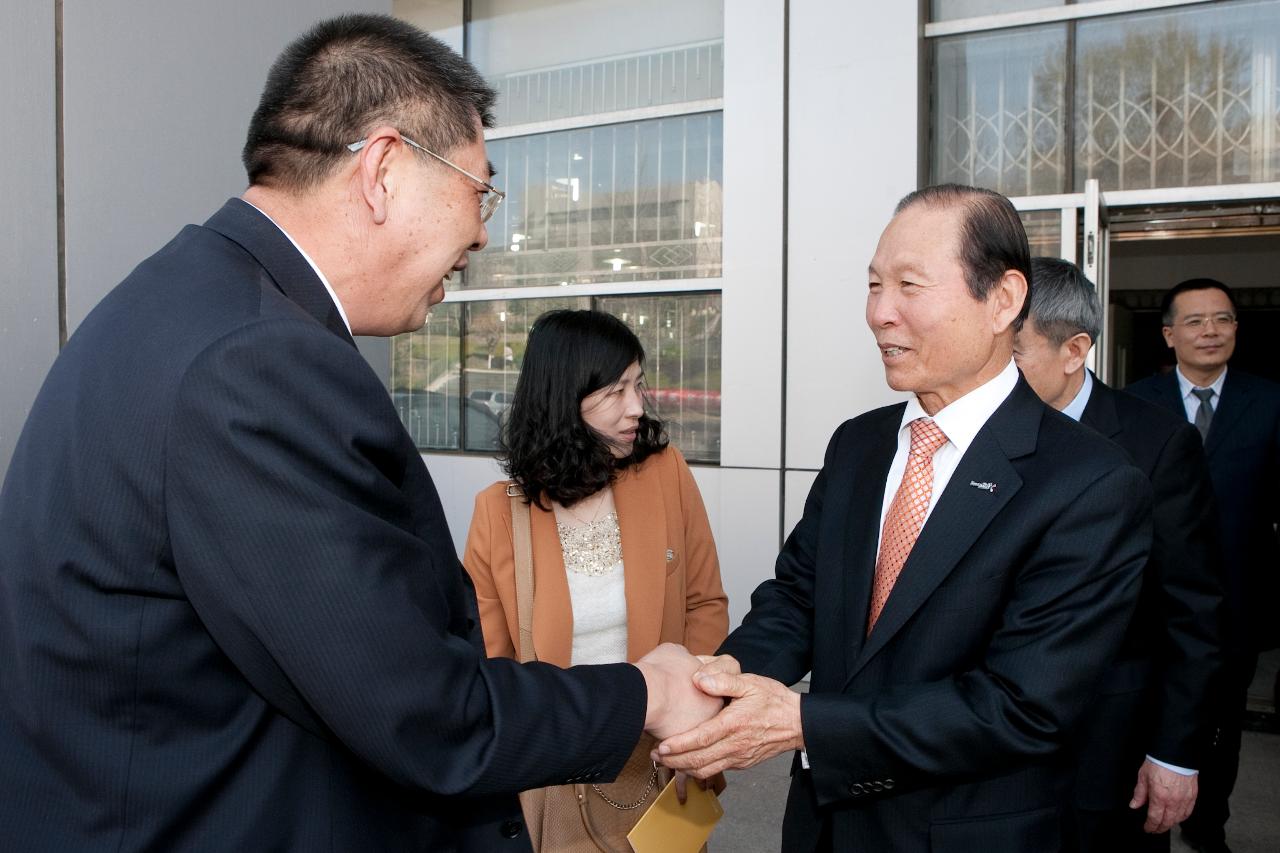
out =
column 1053, row 225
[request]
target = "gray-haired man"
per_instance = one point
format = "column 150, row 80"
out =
column 1149, row 720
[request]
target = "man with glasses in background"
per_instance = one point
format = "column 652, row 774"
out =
column 231, row 613
column 1238, row 417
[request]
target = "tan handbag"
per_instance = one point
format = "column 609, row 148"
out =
column 577, row 818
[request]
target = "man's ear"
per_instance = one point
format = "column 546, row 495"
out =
column 381, row 147
column 1010, row 293
column 1076, row 350
column 1167, row 331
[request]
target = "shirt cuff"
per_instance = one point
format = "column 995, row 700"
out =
column 804, row 758
column 1181, row 771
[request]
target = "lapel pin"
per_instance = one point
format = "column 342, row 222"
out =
column 986, row 487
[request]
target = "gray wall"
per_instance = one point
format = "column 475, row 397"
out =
column 28, row 214
column 157, row 95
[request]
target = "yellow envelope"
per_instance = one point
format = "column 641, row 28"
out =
column 668, row 827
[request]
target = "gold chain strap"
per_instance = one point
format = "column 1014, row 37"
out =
column 648, row 789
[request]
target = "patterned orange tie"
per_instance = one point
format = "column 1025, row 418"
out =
column 906, row 514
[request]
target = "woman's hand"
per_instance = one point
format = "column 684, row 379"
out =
column 716, row 783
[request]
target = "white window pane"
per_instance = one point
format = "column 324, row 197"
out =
column 554, row 59
column 638, row 201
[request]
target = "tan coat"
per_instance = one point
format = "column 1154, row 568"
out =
column 672, row 575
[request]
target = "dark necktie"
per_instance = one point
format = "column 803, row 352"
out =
column 1204, row 414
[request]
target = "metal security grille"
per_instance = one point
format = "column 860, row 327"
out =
column 1187, row 97
column 689, row 73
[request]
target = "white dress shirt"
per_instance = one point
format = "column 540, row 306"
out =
column 1190, row 401
column 1075, row 409
column 960, row 422
column 332, row 293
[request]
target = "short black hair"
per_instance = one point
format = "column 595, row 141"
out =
column 1166, row 304
column 1065, row 303
column 992, row 239
column 546, row 447
column 344, row 77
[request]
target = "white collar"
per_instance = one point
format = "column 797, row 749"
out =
column 1075, row 409
column 1185, row 385
column 332, row 293
column 961, row 420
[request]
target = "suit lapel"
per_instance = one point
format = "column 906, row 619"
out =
column 552, row 605
column 642, row 524
column 1235, row 401
column 245, row 225
column 1100, row 412
column 1171, row 395
column 862, row 528
column 962, row 513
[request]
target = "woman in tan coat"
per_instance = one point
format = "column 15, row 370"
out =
column 622, row 553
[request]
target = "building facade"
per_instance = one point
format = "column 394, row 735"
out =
column 715, row 172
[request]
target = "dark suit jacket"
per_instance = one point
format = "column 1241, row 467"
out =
column 1154, row 699
column 231, row 616
column 1243, row 448
column 944, row 729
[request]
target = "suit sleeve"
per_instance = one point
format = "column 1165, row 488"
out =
column 776, row 636
column 1064, row 617
column 1184, row 553
column 342, row 603
column 487, row 543
column 706, row 619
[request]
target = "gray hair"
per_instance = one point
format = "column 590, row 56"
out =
column 1064, row 303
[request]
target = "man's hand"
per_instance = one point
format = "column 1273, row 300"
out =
column 717, row 664
column 675, row 705
column 1169, row 796
column 761, row 721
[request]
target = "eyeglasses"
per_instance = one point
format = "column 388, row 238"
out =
column 1197, row 322
column 488, row 204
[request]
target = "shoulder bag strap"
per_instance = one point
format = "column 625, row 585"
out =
column 522, row 535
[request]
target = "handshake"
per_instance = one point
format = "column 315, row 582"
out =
column 709, row 717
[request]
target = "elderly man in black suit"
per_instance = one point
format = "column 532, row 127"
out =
column 963, row 573
column 231, row 614
column 1146, row 733
column 1238, row 416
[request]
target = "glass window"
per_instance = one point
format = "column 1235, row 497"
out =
column 950, row 10
column 1044, row 232
column 425, row 379
column 999, row 110
column 681, row 338
column 639, row 201
column 1187, row 97
column 1173, row 98
column 553, row 59
column 496, row 334
column 452, row 381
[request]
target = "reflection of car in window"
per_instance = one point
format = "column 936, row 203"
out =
column 496, row 401
column 431, row 417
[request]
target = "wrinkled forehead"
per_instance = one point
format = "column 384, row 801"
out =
column 920, row 234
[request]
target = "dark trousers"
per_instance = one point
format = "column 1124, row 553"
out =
column 1222, row 763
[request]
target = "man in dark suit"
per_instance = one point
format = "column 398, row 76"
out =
column 1149, row 721
column 963, row 572
column 231, row 615
column 1238, row 416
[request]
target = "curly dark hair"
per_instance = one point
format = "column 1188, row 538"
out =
column 546, row 447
